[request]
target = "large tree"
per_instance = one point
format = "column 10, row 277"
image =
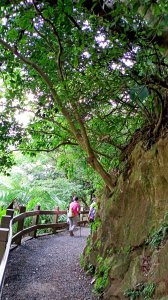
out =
column 97, row 74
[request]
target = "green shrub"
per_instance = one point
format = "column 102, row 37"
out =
column 148, row 291
column 95, row 225
column 88, row 267
column 160, row 235
column 88, row 250
column 143, row 290
column 101, row 275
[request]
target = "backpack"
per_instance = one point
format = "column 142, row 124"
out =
column 70, row 214
column 92, row 214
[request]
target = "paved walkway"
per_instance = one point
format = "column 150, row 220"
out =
column 48, row 268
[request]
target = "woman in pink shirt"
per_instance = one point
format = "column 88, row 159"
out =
column 74, row 208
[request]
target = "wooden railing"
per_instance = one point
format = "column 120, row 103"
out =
column 7, row 238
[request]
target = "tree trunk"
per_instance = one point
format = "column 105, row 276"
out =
column 107, row 178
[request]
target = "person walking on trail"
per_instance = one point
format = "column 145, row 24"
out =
column 74, row 210
column 92, row 213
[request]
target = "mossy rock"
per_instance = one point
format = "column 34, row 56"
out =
column 120, row 265
column 133, row 276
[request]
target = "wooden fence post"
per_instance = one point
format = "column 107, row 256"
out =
column 20, row 226
column 4, row 230
column 10, row 212
column 55, row 219
column 35, row 222
column 3, row 240
column 81, row 215
column 5, row 221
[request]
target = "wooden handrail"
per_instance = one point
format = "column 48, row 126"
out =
column 38, row 212
column 5, row 258
column 41, row 212
column 39, row 226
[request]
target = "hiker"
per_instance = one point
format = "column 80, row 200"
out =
column 74, row 210
column 92, row 212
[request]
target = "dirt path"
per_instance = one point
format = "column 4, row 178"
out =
column 48, row 268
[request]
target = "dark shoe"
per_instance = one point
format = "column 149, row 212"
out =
column 71, row 233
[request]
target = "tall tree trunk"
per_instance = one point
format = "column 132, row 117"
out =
column 107, row 178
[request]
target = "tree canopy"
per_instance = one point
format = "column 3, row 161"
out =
column 91, row 75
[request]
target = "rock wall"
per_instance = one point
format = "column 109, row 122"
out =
column 125, row 249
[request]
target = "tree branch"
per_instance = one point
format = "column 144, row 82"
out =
column 102, row 154
column 46, row 150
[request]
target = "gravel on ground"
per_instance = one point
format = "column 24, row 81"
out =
column 48, row 268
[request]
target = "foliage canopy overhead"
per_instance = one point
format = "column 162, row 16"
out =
column 97, row 74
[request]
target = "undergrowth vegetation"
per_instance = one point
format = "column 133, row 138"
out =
column 143, row 290
column 102, row 274
column 160, row 235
